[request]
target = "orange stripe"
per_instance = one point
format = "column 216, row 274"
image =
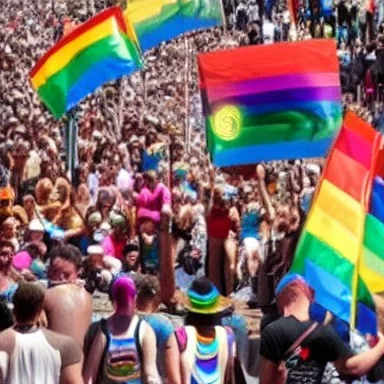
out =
column 80, row 30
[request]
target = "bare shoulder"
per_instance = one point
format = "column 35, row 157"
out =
column 67, row 293
column 7, row 340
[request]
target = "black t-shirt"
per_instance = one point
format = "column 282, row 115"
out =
column 307, row 365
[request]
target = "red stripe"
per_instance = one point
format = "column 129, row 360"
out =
column 92, row 22
column 262, row 61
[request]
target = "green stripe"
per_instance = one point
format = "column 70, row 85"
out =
column 311, row 248
column 193, row 9
column 363, row 294
column 268, row 129
column 154, row 22
column 374, row 231
column 55, row 90
column 373, row 262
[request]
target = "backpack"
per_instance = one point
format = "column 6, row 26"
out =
column 102, row 326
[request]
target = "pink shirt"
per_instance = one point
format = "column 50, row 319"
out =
column 22, row 260
column 114, row 248
column 150, row 203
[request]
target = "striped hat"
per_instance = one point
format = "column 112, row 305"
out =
column 204, row 298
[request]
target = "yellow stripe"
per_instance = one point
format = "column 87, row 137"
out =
column 330, row 231
column 340, row 206
column 141, row 10
column 62, row 57
column 371, row 276
column 131, row 33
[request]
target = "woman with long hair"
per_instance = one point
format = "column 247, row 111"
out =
column 222, row 227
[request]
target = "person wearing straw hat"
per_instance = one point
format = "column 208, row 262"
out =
column 207, row 350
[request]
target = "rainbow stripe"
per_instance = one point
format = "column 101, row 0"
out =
column 339, row 252
column 261, row 108
column 156, row 21
column 102, row 49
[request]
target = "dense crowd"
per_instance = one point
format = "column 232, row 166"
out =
column 145, row 218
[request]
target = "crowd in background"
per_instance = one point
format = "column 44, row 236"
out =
column 143, row 198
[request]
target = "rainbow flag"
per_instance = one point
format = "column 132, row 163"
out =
column 274, row 102
column 102, row 49
column 340, row 252
column 156, row 21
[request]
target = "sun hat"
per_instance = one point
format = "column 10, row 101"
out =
column 94, row 219
column 117, row 221
column 36, row 226
column 204, row 298
column 95, row 250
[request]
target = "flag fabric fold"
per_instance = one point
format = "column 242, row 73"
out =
column 100, row 50
column 339, row 253
column 274, row 102
column 156, row 21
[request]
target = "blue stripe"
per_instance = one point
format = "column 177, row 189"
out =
column 172, row 28
column 268, row 152
column 366, row 320
column 98, row 74
column 330, row 292
column 377, row 199
column 323, row 109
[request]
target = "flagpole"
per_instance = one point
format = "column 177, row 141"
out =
column 186, row 81
column 223, row 15
column 71, row 144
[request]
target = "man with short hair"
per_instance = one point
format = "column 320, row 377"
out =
column 34, row 354
column 320, row 346
column 67, row 304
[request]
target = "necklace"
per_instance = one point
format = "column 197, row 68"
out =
column 25, row 328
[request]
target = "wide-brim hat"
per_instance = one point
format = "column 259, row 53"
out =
column 204, row 298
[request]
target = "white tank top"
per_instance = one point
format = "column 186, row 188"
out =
column 31, row 365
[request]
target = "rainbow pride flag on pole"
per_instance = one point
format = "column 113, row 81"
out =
column 274, row 102
column 156, row 21
column 340, row 251
column 102, row 49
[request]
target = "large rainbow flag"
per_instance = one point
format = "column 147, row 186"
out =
column 156, row 21
column 102, row 49
column 340, row 251
column 274, row 102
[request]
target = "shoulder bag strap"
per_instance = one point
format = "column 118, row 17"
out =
column 300, row 339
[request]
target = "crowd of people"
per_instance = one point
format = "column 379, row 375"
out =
column 145, row 218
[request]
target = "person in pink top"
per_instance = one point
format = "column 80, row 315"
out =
column 153, row 199
column 153, row 216
column 114, row 243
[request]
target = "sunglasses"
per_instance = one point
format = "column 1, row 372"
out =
column 6, row 253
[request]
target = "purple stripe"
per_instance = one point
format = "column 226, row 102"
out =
column 298, row 94
column 270, row 84
column 207, row 365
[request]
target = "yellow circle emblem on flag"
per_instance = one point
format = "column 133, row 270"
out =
column 227, row 122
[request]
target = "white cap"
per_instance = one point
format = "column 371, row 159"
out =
column 105, row 226
column 35, row 225
column 95, row 250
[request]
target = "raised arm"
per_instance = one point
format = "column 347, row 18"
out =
column 266, row 201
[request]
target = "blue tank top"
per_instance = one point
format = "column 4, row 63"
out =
column 250, row 225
